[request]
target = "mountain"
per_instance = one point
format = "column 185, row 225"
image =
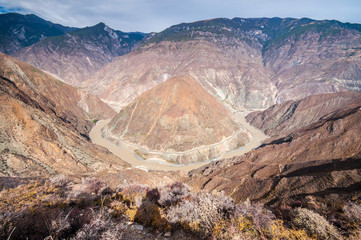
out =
column 18, row 31
column 247, row 63
column 178, row 115
column 43, row 127
column 319, row 159
column 282, row 119
column 77, row 55
column 77, row 109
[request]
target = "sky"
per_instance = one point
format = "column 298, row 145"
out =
column 157, row 15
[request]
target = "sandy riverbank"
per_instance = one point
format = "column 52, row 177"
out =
column 129, row 156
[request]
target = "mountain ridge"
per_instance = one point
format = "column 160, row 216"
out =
column 76, row 55
column 232, row 61
column 18, row 31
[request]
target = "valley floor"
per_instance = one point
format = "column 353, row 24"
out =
column 132, row 158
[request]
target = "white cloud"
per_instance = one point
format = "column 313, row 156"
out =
column 156, row 15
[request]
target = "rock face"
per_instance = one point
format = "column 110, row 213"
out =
column 43, row 130
column 18, row 31
column 281, row 119
column 177, row 116
column 322, row 158
column 75, row 56
column 248, row 63
column 76, row 108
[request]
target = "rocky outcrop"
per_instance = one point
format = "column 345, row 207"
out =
column 281, row 119
column 177, row 121
column 18, row 31
column 247, row 63
column 75, row 56
column 320, row 159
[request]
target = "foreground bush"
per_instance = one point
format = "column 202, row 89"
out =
column 60, row 208
column 314, row 224
column 201, row 212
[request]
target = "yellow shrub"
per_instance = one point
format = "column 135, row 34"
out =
column 30, row 196
column 279, row 232
column 130, row 213
column 150, row 214
column 242, row 228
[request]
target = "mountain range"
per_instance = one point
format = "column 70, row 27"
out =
column 246, row 63
column 253, row 110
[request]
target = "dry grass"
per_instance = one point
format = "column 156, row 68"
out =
column 91, row 210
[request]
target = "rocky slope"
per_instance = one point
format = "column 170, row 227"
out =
column 177, row 116
column 320, row 159
column 76, row 108
column 248, row 63
column 37, row 139
column 18, row 31
column 281, row 119
column 75, row 56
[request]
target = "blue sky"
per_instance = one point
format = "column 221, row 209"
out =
column 156, row 15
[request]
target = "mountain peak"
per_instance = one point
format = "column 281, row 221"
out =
column 101, row 24
column 178, row 115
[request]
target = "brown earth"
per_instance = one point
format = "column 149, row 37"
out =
column 43, row 130
column 77, row 109
column 321, row 159
column 36, row 143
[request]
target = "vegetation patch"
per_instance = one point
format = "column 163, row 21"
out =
column 63, row 208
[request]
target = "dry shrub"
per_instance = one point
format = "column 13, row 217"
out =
column 149, row 214
column 353, row 212
column 133, row 195
column 92, row 185
column 60, row 180
column 314, row 224
column 260, row 216
column 235, row 228
column 278, row 231
column 100, row 226
column 173, row 193
column 201, row 212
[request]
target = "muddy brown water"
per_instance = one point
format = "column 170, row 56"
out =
column 133, row 159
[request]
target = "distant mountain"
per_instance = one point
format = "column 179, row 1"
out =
column 319, row 159
column 77, row 55
column 18, row 31
column 247, row 63
column 177, row 116
column 44, row 125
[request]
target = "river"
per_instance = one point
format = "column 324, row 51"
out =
column 133, row 159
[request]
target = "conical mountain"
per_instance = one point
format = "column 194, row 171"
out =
column 175, row 116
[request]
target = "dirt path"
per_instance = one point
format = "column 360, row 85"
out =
column 130, row 157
